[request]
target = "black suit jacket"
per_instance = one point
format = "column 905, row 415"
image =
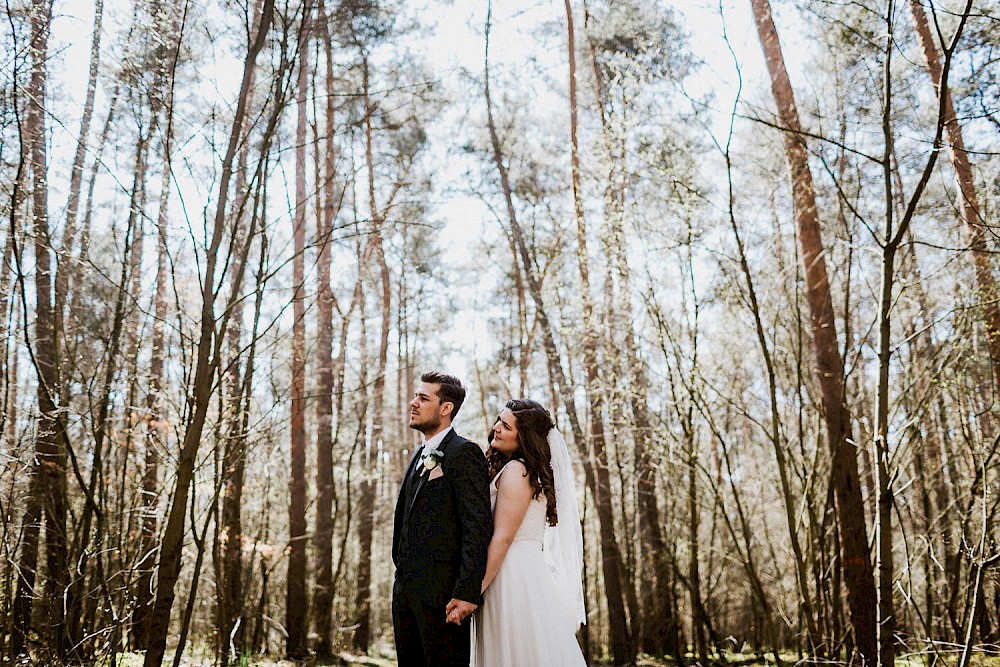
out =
column 443, row 526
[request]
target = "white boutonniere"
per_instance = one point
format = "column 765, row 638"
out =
column 432, row 459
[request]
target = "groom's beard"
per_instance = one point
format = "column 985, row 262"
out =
column 428, row 426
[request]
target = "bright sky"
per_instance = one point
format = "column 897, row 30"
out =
column 455, row 44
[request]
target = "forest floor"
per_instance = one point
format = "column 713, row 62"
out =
column 384, row 657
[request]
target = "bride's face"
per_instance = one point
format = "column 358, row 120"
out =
column 505, row 433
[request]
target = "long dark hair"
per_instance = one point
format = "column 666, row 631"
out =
column 533, row 423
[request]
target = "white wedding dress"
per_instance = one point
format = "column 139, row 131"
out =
column 523, row 622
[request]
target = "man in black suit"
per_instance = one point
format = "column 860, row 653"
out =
column 442, row 528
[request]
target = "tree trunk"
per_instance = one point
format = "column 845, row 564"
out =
column 699, row 618
column 229, row 536
column 126, row 291
column 323, row 541
column 49, row 483
column 622, row 644
column 366, row 506
column 23, row 603
column 297, row 599
column 844, row 478
column 612, row 555
column 658, row 629
column 893, row 236
column 885, row 619
column 232, row 631
column 76, row 171
column 156, row 430
column 975, row 225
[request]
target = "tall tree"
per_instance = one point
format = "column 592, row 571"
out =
column 323, row 540
column 155, row 425
column 844, row 477
column 76, row 174
column 892, row 238
column 622, row 641
column 47, row 488
column 297, row 599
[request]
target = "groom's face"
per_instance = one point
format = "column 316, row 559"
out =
column 427, row 412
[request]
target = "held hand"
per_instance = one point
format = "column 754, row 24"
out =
column 457, row 610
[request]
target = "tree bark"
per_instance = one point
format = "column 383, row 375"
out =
column 23, row 603
column 156, row 430
column 232, row 630
column 885, row 627
column 844, row 478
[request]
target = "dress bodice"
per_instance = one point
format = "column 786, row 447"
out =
column 533, row 525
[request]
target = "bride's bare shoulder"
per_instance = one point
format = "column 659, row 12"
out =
column 513, row 474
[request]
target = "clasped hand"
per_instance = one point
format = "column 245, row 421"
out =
column 457, row 610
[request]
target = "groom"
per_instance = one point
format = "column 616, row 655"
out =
column 442, row 528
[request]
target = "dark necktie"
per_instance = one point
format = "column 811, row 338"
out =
column 414, row 472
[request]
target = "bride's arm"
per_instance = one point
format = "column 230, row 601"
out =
column 513, row 499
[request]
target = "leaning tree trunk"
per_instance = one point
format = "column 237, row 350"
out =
column 204, row 373
column 844, row 478
column 972, row 216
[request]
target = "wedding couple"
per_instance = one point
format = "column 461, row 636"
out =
column 487, row 572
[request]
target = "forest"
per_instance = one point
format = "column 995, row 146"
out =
column 744, row 250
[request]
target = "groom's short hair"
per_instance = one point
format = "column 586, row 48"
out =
column 452, row 390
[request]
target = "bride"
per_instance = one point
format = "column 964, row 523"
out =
column 533, row 593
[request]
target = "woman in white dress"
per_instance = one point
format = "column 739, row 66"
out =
column 533, row 591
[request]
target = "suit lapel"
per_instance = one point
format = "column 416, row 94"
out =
column 424, row 475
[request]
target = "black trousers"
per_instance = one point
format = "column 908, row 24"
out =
column 423, row 637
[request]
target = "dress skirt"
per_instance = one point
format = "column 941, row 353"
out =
column 522, row 622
